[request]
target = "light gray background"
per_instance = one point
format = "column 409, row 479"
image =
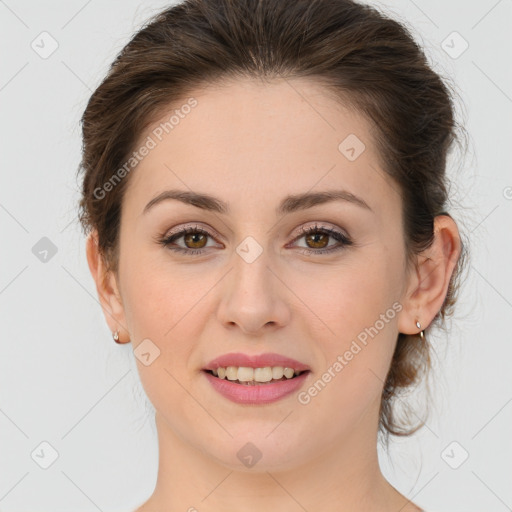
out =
column 64, row 381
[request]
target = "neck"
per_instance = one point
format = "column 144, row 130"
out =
column 190, row 480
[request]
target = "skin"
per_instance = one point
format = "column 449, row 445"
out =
column 250, row 144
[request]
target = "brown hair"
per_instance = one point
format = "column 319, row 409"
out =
column 365, row 59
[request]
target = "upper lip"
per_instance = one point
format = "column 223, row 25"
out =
column 255, row 361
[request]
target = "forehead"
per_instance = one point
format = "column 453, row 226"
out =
column 260, row 140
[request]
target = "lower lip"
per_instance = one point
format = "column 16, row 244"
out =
column 258, row 394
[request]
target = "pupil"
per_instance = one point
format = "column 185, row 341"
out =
column 195, row 237
column 315, row 239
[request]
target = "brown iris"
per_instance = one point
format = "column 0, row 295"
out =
column 314, row 238
column 195, row 238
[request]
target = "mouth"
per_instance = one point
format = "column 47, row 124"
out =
column 247, row 376
column 256, row 379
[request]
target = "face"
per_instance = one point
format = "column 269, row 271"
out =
column 320, row 282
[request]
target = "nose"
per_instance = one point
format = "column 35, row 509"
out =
column 253, row 297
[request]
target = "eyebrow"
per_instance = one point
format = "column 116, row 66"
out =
column 289, row 204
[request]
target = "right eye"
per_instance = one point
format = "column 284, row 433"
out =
column 195, row 237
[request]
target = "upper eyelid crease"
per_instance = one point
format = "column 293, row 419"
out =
column 289, row 204
column 321, row 226
column 334, row 233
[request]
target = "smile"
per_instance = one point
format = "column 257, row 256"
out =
column 254, row 376
column 254, row 392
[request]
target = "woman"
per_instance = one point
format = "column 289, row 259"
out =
column 265, row 195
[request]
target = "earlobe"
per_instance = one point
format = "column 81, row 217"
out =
column 106, row 287
column 433, row 271
column 116, row 338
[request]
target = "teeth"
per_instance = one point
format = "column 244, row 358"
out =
column 263, row 374
column 277, row 372
column 247, row 374
column 231, row 373
column 288, row 373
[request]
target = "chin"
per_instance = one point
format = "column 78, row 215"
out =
column 261, row 450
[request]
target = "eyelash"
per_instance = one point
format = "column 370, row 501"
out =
column 343, row 239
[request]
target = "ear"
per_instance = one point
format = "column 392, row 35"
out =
column 107, row 288
column 429, row 280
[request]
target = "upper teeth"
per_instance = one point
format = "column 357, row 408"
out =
column 246, row 374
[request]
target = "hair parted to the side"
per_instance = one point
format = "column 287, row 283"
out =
column 366, row 60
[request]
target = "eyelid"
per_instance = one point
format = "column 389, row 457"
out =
column 342, row 238
column 321, row 225
column 212, row 233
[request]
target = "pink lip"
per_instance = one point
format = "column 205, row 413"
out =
column 258, row 394
column 255, row 361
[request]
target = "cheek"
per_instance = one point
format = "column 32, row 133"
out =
column 150, row 304
column 157, row 295
column 348, row 298
column 358, row 307
column 168, row 305
column 159, row 306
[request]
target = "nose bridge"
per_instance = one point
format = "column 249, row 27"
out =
column 252, row 279
column 251, row 259
column 253, row 296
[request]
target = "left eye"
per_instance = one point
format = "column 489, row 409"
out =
column 195, row 239
column 319, row 236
